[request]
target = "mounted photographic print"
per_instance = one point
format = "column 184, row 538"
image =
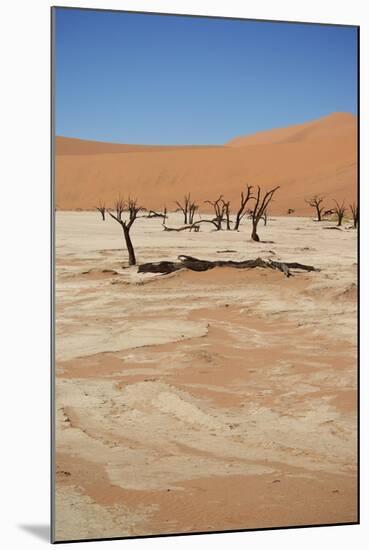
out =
column 205, row 257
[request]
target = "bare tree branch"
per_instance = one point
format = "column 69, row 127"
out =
column 355, row 214
column 101, row 208
column 219, row 211
column 317, row 202
column 226, row 213
column 339, row 210
column 245, row 197
column 261, row 204
column 133, row 209
column 188, row 208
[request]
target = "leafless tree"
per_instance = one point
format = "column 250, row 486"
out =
column 101, row 208
column 259, row 209
column 219, row 210
column 317, row 202
column 245, row 197
column 339, row 210
column 264, row 217
column 355, row 214
column 184, row 207
column 132, row 209
column 227, row 213
column 192, row 208
column 165, row 214
column 188, row 208
column 290, row 211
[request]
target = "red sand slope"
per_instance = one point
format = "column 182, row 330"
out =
column 315, row 157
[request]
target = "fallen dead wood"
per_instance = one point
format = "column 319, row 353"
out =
column 183, row 228
column 195, row 264
column 160, row 267
column 193, row 226
column 228, row 251
column 153, row 214
column 214, row 222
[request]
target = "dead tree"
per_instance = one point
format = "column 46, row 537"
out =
column 154, row 214
column 290, row 211
column 339, row 210
column 188, row 208
column 226, row 214
column 258, row 212
column 219, row 210
column 245, row 197
column 184, row 208
column 265, row 217
column 101, row 208
column 191, row 211
column 355, row 214
column 317, row 202
column 131, row 207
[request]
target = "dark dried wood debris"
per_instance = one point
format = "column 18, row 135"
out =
column 195, row 264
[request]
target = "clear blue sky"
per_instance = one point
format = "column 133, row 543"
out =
column 153, row 79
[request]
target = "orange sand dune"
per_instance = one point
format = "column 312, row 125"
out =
column 75, row 146
column 334, row 125
column 315, row 157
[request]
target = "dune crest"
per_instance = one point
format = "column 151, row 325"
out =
column 330, row 127
column 315, row 157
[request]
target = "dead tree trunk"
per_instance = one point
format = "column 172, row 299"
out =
column 226, row 214
column 261, row 204
column 188, row 208
column 195, row 264
column 355, row 214
column 219, row 210
column 339, row 210
column 132, row 209
column 184, row 208
column 101, row 208
column 245, row 197
column 131, row 252
column 154, row 214
column 191, row 212
column 195, row 226
column 317, row 202
column 177, row 229
column 254, row 234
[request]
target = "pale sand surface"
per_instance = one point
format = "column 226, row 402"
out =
column 316, row 157
column 203, row 401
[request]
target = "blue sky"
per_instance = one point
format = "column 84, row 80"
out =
column 154, row 79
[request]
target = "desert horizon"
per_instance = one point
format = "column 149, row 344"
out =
column 318, row 157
